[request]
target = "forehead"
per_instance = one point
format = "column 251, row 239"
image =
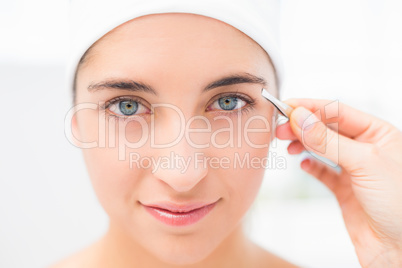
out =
column 176, row 43
column 170, row 29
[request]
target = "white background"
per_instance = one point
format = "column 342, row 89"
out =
column 346, row 50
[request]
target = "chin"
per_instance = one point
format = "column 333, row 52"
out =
column 183, row 251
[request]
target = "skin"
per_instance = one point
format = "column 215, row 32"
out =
column 368, row 187
column 178, row 55
column 366, row 148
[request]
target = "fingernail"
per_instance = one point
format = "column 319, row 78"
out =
column 305, row 159
column 305, row 164
column 305, row 119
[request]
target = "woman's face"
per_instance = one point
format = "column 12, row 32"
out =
column 202, row 145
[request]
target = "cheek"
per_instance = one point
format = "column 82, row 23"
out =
column 243, row 179
column 243, row 175
column 113, row 179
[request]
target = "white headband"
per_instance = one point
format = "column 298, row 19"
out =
column 91, row 19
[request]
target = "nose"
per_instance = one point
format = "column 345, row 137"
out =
column 181, row 164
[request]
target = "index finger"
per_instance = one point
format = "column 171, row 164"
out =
column 351, row 122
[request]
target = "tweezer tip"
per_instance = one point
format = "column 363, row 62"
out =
column 283, row 108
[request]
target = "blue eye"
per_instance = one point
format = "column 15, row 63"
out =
column 228, row 103
column 128, row 107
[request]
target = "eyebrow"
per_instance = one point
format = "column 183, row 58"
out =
column 136, row 86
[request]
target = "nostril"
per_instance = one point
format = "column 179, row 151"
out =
column 179, row 172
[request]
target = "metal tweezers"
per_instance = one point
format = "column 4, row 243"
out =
column 283, row 108
column 286, row 110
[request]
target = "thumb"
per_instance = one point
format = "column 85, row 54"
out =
column 318, row 138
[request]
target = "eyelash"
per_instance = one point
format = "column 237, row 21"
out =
column 250, row 103
column 106, row 106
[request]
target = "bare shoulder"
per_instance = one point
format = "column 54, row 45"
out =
column 264, row 258
column 82, row 258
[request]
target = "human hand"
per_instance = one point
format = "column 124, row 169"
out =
column 369, row 186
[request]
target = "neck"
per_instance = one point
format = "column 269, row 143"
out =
column 118, row 249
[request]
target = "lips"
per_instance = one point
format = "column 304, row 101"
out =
column 179, row 214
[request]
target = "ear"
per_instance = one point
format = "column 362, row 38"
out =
column 71, row 128
column 75, row 131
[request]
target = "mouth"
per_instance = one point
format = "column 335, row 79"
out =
column 179, row 214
